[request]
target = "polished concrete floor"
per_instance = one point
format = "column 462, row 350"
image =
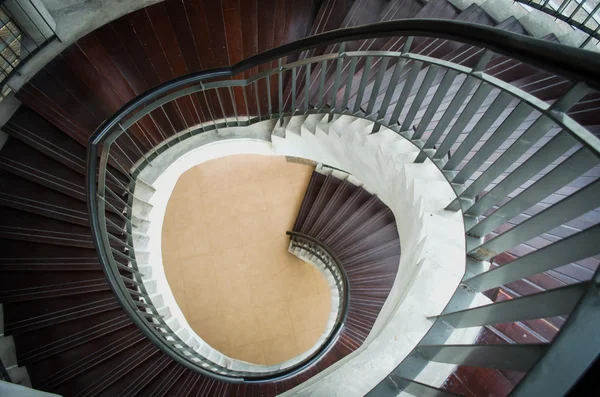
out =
column 225, row 257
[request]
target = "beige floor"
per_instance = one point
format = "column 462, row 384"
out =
column 226, row 260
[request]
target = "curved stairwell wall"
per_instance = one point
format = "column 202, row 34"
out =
column 432, row 261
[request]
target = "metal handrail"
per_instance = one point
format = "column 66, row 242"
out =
column 335, row 262
column 581, row 67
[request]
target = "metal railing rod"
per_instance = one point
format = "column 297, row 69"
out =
column 363, row 83
column 451, row 111
column 122, row 255
column 307, row 88
column 377, row 85
column 294, row 78
column 280, row 86
column 572, row 345
column 519, row 357
column 579, row 246
column 586, row 199
column 560, row 176
column 545, row 304
column 394, row 385
column 424, row 87
column 233, row 105
column 270, row 108
column 321, row 91
column 338, row 76
column 257, row 100
column 391, row 88
column 432, row 107
column 482, row 126
column 461, row 123
column 506, row 129
column 349, row 80
column 547, row 154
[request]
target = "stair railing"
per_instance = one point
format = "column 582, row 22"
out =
column 328, row 258
column 579, row 14
column 509, row 120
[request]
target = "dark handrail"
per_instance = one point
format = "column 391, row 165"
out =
column 335, row 332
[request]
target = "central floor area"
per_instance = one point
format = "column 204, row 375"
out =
column 226, row 260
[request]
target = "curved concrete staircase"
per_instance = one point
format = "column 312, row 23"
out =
column 70, row 332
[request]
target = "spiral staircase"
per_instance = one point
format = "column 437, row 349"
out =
column 455, row 203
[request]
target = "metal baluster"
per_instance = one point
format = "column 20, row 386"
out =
column 545, row 304
column 268, row 80
column 393, row 384
column 519, row 357
column 120, row 167
column 293, row 91
column 116, row 239
column 377, row 85
column 135, row 144
column 568, row 208
column 532, row 135
column 349, row 79
column 233, row 104
column 560, row 176
column 257, row 100
column 170, row 123
column 124, row 153
column 458, row 100
column 307, row 88
column 363, row 83
column 391, row 88
column 459, row 126
column 195, row 110
column 321, row 85
column 280, row 88
column 208, row 107
column 246, row 103
column 160, row 130
column 499, row 105
column 418, row 100
column 531, row 167
column 438, row 97
column 338, row 76
column 116, row 196
column 221, row 106
column 122, row 255
column 570, row 249
column 505, row 130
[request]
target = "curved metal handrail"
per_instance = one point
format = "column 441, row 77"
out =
column 344, row 276
column 581, row 66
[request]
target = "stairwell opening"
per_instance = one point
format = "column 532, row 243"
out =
column 225, row 256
